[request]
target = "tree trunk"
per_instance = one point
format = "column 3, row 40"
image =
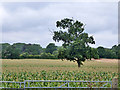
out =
column 90, row 53
column 78, row 63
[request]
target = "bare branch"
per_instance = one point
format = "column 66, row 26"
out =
column 51, row 31
column 84, row 26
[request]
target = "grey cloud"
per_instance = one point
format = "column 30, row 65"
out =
column 38, row 17
column 14, row 6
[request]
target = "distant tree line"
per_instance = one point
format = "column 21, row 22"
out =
column 24, row 51
column 35, row 51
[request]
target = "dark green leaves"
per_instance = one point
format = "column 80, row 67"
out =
column 64, row 23
column 50, row 48
column 75, row 41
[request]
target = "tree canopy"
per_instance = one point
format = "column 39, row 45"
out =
column 23, row 51
column 51, row 48
column 75, row 40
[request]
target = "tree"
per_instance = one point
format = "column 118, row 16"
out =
column 11, row 53
column 116, row 51
column 24, row 55
column 3, row 47
column 32, row 49
column 92, row 53
column 75, row 40
column 50, row 48
column 107, row 52
column 101, row 51
column 55, row 54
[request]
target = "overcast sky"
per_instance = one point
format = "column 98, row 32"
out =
column 30, row 22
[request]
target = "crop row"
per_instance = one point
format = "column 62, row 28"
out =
column 57, row 75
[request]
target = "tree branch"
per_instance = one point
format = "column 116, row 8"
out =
column 51, row 31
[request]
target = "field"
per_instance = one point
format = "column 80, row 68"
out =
column 37, row 65
column 46, row 69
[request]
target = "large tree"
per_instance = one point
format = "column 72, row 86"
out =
column 75, row 40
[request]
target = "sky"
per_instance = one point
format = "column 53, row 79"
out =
column 31, row 22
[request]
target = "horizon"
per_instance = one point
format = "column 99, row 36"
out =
column 55, row 44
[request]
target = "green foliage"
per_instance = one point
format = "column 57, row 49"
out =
column 50, row 48
column 55, row 54
column 116, row 51
column 92, row 53
column 3, row 49
column 24, row 55
column 22, row 50
column 75, row 40
column 112, row 53
column 19, row 46
column 32, row 49
column 47, row 56
column 11, row 53
column 58, row 75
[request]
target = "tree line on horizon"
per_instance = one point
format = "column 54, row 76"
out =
column 35, row 51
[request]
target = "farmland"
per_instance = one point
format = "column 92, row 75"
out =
column 46, row 69
column 37, row 65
